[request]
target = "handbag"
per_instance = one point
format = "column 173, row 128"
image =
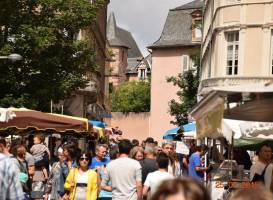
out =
column 259, row 177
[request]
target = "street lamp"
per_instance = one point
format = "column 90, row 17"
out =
column 12, row 57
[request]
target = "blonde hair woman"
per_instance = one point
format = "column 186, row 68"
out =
column 137, row 153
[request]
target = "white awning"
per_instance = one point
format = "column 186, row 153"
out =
column 247, row 129
column 6, row 114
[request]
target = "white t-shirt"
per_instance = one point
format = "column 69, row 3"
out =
column 81, row 191
column 154, row 179
column 258, row 168
column 124, row 172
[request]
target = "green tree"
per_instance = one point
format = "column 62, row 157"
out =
column 131, row 97
column 187, row 83
column 54, row 63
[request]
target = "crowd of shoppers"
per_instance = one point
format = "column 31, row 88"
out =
column 120, row 170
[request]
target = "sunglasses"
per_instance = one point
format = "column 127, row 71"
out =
column 81, row 159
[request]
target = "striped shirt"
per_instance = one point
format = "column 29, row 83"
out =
column 10, row 186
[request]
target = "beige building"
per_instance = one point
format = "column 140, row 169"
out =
column 237, row 43
column 237, row 64
column 171, row 55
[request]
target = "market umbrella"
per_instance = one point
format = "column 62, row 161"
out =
column 188, row 130
column 169, row 134
column 31, row 119
column 97, row 123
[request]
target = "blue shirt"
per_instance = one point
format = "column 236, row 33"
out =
column 103, row 193
column 97, row 163
column 195, row 161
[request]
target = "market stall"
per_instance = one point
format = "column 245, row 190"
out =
column 25, row 123
column 25, row 120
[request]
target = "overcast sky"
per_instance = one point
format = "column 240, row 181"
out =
column 143, row 18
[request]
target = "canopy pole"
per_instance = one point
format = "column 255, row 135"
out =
column 51, row 106
column 206, row 160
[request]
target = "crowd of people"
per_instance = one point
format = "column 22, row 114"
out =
column 119, row 170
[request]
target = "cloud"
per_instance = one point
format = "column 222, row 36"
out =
column 143, row 18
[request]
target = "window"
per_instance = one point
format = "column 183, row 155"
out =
column 197, row 29
column 142, row 74
column 78, row 35
column 185, row 62
column 122, row 55
column 232, row 53
column 111, row 88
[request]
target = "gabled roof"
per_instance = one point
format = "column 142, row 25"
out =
column 197, row 4
column 134, row 63
column 121, row 38
column 177, row 30
column 114, row 35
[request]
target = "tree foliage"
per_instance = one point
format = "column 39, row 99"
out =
column 54, row 63
column 187, row 83
column 131, row 97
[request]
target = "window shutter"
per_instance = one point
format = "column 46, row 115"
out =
column 185, row 62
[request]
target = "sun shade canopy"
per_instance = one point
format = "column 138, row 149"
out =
column 31, row 119
column 188, row 130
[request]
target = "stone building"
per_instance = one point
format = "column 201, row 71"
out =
column 92, row 101
column 128, row 62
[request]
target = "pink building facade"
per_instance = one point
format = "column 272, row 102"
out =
column 171, row 55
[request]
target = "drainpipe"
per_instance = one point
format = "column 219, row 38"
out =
column 211, row 32
column 149, row 133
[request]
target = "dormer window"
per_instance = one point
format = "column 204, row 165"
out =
column 142, row 74
column 197, row 32
column 196, row 25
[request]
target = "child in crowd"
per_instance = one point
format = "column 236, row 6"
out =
column 40, row 153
